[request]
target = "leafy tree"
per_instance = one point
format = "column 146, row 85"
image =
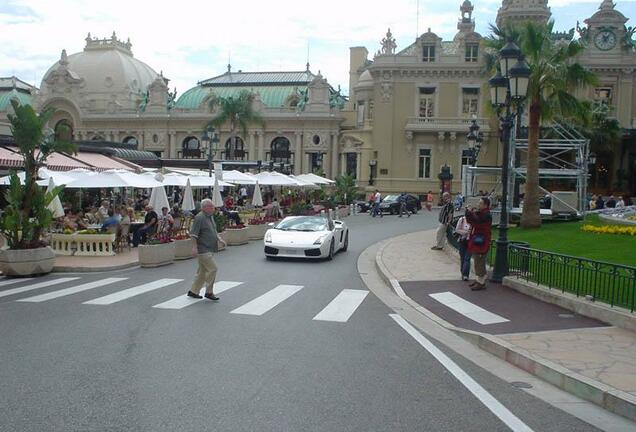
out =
column 26, row 213
column 555, row 75
column 238, row 111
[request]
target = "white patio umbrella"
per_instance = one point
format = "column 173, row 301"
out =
column 315, row 179
column 304, row 183
column 217, row 200
column 188, row 200
column 196, row 181
column 44, row 174
column 159, row 199
column 237, row 177
column 274, row 179
column 257, row 198
column 56, row 205
column 113, row 179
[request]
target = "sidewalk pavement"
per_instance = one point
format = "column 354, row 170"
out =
column 591, row 359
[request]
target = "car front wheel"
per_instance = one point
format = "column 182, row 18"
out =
column 331, row 251
column 346, row 243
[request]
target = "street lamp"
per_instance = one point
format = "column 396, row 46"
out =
column 474, row 140
column 508, row 89
column 210, row 140
column 372, row 164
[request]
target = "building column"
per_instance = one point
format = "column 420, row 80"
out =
column 250, row 147
column 334, row 156
column 624, row 103
column 343, row 164
column 298, row 159
column 141, row 141
column 261, row 145
column 172, row 148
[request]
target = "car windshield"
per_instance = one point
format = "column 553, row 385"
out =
column 303, row 223
column 391, row 198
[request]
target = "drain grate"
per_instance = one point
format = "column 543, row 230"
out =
column 521, row 384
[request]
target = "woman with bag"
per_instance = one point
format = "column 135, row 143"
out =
column 479, row 240
column 462, row 231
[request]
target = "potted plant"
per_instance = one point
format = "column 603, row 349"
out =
column 26, row 214
column 158, row 251
column 182, row 247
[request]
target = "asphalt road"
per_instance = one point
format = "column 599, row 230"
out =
column 128, row 366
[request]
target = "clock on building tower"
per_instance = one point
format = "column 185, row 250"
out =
column 605, row 40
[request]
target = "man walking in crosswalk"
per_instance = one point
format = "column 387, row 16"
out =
column 205, row 242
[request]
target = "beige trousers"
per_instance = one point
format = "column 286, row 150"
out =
column 441, row 235
column 480, row 267
column 206, row 274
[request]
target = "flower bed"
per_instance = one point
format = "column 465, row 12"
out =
column 610, row 229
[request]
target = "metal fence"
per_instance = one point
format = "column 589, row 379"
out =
column 609, row 283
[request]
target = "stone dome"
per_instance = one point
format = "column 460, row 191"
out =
column 365, row 80
column 105, row 73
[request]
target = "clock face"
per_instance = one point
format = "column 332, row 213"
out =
column 605, row 40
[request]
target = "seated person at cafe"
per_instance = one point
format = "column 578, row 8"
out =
column 229, row 202
column 111, row 223
column 149, row 227
column 73, row 221
column 232, row 216
column 104, row 209
column 166, row 218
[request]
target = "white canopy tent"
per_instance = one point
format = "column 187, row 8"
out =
column 112, row 179
column 315, row 179
column 274, row 178
column 237, row 177
column 304, row 183
column 45, row 174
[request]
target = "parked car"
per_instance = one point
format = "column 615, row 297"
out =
column 362, row 206
column 390, row 204
column 306, row 237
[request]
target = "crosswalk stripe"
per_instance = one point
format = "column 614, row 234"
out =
column 36, row 286
column 131, row 292
column 71, row 290
column 268, row 301
column 468, row 309
column 343, row 306
column 184, row 301
column 7, row 281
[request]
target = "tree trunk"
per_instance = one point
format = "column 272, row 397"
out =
column 531, row 216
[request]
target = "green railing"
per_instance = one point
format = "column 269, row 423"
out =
column 609, row 283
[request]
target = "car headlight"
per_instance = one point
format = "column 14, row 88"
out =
column 321, row 239
column 268, row 237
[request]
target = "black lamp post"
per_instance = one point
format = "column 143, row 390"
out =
column 508, row 89
column 210, row 140
column 474, row 140
column 372, row 164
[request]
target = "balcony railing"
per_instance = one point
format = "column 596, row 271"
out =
column 444, row 124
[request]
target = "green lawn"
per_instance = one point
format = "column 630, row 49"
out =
column 568, row 239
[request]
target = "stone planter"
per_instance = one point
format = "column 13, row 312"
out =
column 235, row 237
column 182, row 249
column 257, row 232
column 342, row 212
column 221, row 245
column 27, row 262
column 156, row 255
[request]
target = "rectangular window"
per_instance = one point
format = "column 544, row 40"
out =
column 466, row 160
column 470, row 101
column 428, row 53
column 352, row 164
column 360, row 112
column 472, row 53
column 424, row 163
column 427, row 102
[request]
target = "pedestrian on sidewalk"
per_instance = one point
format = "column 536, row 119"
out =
column 205, row 242
column 479, row 240
column 462, row 230
column 402, row 199
column 377, row 199
column 429, row 201
column 445, row 218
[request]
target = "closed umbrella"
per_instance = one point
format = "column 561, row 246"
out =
column 216, row 195
column 188, row 200
column 158, row 198
column 257, row 198
column 56, row 205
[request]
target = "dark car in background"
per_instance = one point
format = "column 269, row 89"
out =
column 390, row 204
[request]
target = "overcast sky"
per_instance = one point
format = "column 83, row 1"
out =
column 192, row 40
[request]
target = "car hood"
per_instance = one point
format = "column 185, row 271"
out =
column 297, row 237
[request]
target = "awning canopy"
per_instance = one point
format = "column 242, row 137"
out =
column 101, row 162
column 9, row 159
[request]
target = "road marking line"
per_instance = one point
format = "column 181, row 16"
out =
column 131, row 292
column 468, row 309
column 7, row 281
column 71, row 290
column 343, row 306
column 184, row 301
column 268, row 301
column 36, row 286
column 505, row 415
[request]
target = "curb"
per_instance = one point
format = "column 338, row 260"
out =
column 611, row 399
column 63, row 269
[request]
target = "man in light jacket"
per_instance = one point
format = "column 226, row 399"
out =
column 445, row 218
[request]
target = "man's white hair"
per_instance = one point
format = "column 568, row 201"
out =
column 206, row 201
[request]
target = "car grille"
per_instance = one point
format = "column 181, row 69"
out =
column 271, row 251
column 312, row 252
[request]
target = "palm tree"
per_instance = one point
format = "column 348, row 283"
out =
column 238, row 111
column 555, row 75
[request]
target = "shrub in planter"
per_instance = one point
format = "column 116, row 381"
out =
column 26, row 214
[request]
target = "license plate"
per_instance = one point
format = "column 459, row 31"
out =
column 290, row 252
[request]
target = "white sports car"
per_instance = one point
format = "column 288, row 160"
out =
column 306, row 237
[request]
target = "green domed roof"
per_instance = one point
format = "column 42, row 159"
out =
column 7, row 95
column 271, row 96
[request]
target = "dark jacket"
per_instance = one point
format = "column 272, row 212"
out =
column 446, row 213
column 481, row 222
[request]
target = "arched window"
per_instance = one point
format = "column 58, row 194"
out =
column 280, row 150
column 191, row 147
column 64, row 131
column 130, row 140
column 236, row 151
